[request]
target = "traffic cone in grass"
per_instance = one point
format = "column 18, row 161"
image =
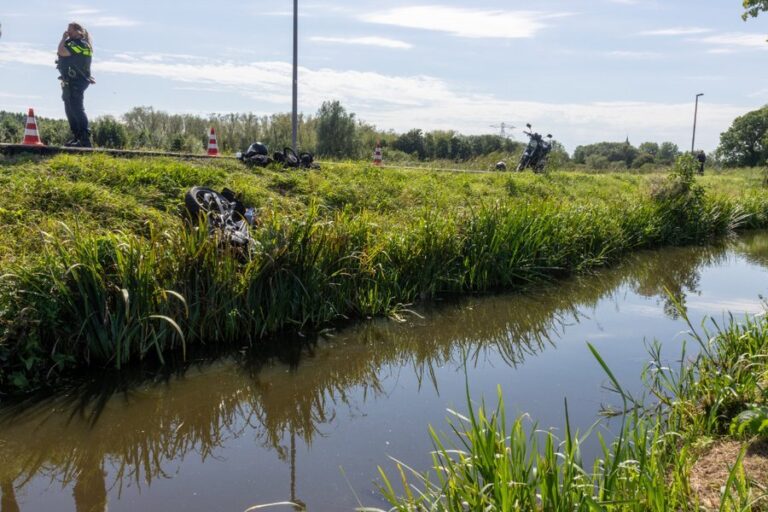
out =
column 377, row 154
column 213, row 146
column 31, row 135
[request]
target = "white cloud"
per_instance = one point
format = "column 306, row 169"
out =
column 26, row 54
column 93, row 18
column 721, row 51
column 753, row 307
column 736, row 40
column 404, row 102
column 365, row 41
column 676, row 31
column 462, row 22
column 156, row 57
column 80, row 11
column 761, row 94
column 17, row 96
column 643, row 310
column 635, row 55
column 109, row 21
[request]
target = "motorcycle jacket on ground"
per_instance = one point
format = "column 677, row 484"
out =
column 77, row 66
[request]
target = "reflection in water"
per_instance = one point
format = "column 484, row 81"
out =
column 673, row 274
column 137, row 432
column 8, row 499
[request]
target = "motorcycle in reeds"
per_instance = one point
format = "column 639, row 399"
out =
column 227, row 218
column 536, row 152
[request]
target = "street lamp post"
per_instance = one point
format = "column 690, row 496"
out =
column 294, row 115
column 695, row 113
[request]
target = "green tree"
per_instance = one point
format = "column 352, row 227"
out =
column 754, row 7
column 744, row 144
column 11, row 128
column 442, row 144
column 622, row 152
column 597, row 161
column 109, row 133
column 461, row 148
column 667, row 154
column 185, row 143
column 558, row 157
column 412, row 143
column 650, row 148
column 53, row 132
column 642, row 159
column 336, row 131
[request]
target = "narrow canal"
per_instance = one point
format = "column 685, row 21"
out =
column 313, row 425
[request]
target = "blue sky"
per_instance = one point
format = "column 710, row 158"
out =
column 584, row 70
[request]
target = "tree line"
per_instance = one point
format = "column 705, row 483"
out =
column 335, row 133
column 332, row 132
column 623, row 155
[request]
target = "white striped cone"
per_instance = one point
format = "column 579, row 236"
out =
column 31, row 135
column 213, row 146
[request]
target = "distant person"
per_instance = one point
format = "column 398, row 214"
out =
column 702, row 158
column 74, row 63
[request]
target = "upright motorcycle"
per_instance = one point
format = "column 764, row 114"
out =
column 536, row 152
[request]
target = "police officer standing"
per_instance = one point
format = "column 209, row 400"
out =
column 702, row 158
column 75, row 52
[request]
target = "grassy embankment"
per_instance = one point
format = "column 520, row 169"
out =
column 698, row 443
column 98, row 270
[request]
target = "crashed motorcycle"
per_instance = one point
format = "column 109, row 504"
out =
column 257, row 155
column 536, row 152
column 227, row 218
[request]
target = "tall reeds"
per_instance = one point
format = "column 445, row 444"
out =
column 91, row 299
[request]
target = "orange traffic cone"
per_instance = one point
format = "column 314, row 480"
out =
column 213, row 146
column 377, row 154
column 31, row 135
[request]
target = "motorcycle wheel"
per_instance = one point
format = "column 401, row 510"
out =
column 202, row 201
column 291, row 158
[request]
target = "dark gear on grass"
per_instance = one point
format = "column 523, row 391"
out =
column 75, row 76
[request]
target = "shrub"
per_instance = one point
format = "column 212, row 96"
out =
column 109, row 133
column 181, row 143
column 599, row 162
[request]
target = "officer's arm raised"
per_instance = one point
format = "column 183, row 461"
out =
column 62, row 50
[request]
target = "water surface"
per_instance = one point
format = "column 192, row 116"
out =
column 313, row 425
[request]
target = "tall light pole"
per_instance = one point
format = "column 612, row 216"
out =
column 695, row 113
column 295, row 115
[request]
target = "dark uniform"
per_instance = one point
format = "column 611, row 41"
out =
column 75, row 78
column 702, row 158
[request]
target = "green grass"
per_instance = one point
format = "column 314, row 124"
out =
column 99, row 270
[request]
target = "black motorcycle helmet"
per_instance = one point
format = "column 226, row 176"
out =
column 257, row 148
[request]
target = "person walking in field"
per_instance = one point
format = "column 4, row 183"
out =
column 75, row 53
